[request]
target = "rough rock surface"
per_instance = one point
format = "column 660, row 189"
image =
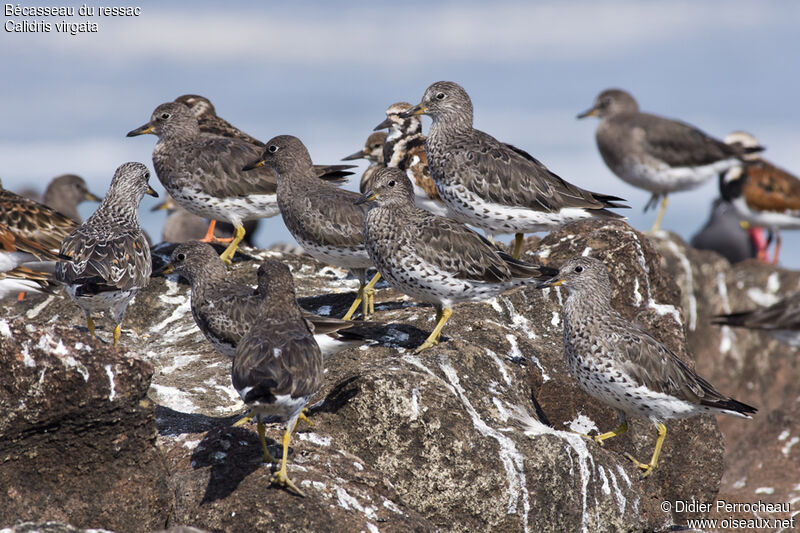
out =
column 471, row 435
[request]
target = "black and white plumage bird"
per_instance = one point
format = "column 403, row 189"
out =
column 277, row 365
column 654, row 153
column 224, row 308
column 107, row 259
column 492, row 185
column 405, row 149
column 431, row 258
column 64, row 193
column 322, row 218
column 623, row 366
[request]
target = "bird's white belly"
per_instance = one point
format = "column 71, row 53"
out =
column 234, row 209
column 659, row 177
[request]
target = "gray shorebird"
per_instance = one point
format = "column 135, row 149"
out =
column 781, row 319
column 654, row 153
column 322, row 218
column 372, row 152
column 492, row 185
column 64, row 193
column 203, row 172
column 405, row 149
column 431, row 258
column 224, row 309
column 107, row 259
column 623, row 366
column 728, row 234
column 277, row 365
column 762, row 193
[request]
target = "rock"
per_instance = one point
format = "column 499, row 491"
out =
column 468, row 436
column 77, row 433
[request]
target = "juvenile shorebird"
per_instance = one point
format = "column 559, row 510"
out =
column 107, row 259
column 405, row 149
column 372, row 152
column 431, row 258
column 64, row 193
column 277, row 365
column 492, row 185
column 654, row 153
column 323, row 219
column 762, row 193
column 727, row 233
column 224, row 309
column 623, row 366
column 781, row 319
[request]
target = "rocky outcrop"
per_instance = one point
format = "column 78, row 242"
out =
column 471, row 435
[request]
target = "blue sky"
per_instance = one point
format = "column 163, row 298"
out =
column 326, row 72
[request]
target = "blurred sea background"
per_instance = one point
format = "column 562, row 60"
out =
column 326, row 71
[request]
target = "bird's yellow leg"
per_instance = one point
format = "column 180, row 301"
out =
column 369, row 296
column 660, row 216
column 648, row 468
column 281, row 477
column 433, row 339
column 244, row 420
column 517, row 244
column 227, row 255
column 304, row 418
column 117, row 332
column 90, row 325
column 356, row 303
column 622, row 428
column 262, row 437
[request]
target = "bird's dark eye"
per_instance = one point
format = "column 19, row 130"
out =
column 272, row 148
column 165, row 116
column 147, row 175
column 391, row 183
column 180, row 257
column 440, row 96
column 578, row 269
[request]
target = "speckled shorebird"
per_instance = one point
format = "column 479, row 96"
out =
column 431, row 258
column 224, row 308
column 781, row 319
column 492, row 185
column 762, row 193
column 203, row 172
column 728, row 234
column 107, row 257
column 623, row 366
column 25, row 265
column 372, row 152
column 277, row 365
column 405, row 149
column 33, row 221
column 323, row 218
column 654, row 153
column 64, row 193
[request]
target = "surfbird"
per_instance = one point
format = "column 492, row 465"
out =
column 405, row 149
column 212, row 123
column 31, row 220
column 781, row 319
column 623, row 366
column 372, row 152
column 762, row 193
column 431, row 258
column 728, row 234
column 277, row 365
column 654, row 153
column 323, row 218
column 107, row 259
column 224, row 308
column 492, row 185
column 64, row 193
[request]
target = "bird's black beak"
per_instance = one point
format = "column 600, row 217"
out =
column 255, row 164
column 151, row 192
column 418, row 109
column 366, row 197
column 357, row 155
column 141, row 130
column 383, row 125
column 588, row 113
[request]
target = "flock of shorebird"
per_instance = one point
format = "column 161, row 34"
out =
column 410, row 224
